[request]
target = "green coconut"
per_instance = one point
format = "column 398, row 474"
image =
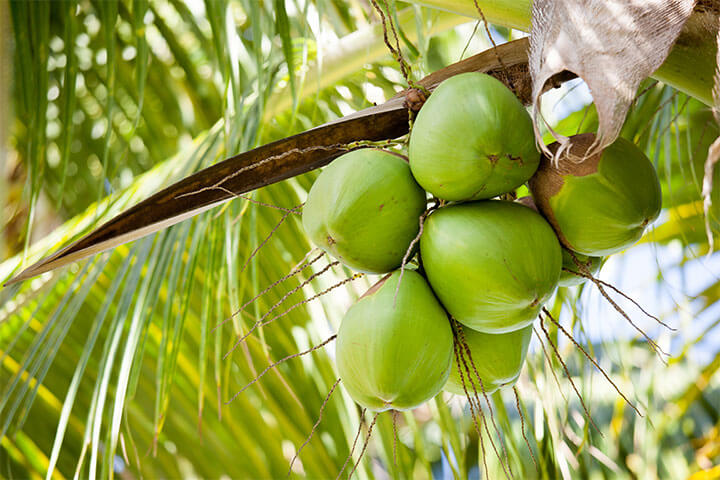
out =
column 363, row 209
column 714, row 212
column 570, row 279
column 395, row 351
column 601, row 205
column 492, row 264
column 498, row 359
column 472, row 139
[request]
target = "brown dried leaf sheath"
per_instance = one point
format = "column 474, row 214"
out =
column 611, row 44
column 277, row 161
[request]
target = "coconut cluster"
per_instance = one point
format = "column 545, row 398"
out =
column 488, row 263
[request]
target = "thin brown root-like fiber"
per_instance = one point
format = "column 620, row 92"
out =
column 365, row 444
column 612, row 287
column 458, row 355
column 293, row 307
column 406, row 257
column 297, row 269
column 522, row 428
column 394, row 50
column 458, row 360
column 492, row 40
column 659, row 351
column 474, row 399
column 569, row 377
column 466, row 347
column 352, row 449
column 549, row 362
column 395, row 436
column 592, row 360
column 285, row 359
column 294, row 209
column 585, row 273
column 314, row 427
column 268, row 237
column 260, row 323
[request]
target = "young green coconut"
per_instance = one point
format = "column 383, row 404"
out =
column 573, row 277
column 498, row 359
column 394, row 347
column 363, row 209
column 472, row 139
column 602, row 204
column 492, row 263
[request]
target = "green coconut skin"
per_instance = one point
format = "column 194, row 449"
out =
column 606, row 211
column 472, row 139
column 492, row 264
column 715, row 201
column 363, row 209
column 498, row 359
column 395, row 353
column 569, row 279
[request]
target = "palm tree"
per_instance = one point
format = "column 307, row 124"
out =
column 128, row 363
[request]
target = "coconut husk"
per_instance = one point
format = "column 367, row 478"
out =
column 548, row 179
column 612, row 45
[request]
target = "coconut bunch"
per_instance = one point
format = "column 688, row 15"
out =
column 487, row 263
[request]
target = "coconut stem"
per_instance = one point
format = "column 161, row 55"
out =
column 592, row 360
column 312, row 431
column 522, row 428
column 569, row 377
